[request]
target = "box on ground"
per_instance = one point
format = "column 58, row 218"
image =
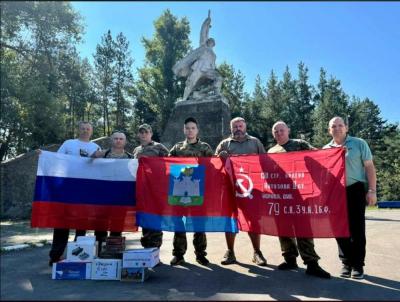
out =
column 135, row 274
column 86, row 239
column 67, row 270
column 80, row 251
column 110, row 255
column 106, row 269
column 149, row 257
column 115, row 240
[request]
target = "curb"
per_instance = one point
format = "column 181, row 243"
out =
column 20, row 247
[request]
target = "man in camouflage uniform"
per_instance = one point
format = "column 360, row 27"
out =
column 148, row 147
column 117, row 150
column 191, row 146
column 292, row 246
column 241, row 143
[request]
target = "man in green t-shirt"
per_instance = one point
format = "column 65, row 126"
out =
column 291, row 247
column 360, row 191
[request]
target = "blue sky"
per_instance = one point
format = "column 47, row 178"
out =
column 356, row 42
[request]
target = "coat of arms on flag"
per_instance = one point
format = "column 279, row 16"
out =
column 185, row 194
column 186, row 185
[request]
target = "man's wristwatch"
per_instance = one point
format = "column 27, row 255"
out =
column 371, row 191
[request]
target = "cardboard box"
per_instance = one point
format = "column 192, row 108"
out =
column 141, row 257
column 77, row 251
column 106, row 269
column 115, row 240
column 135, row 274
column 114, row 249
column 86, row 239
column 67, row 270
column 110, row 255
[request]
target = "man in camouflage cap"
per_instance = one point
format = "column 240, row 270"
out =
column 148, row 147
column 191, row 146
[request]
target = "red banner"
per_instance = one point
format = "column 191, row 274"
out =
column 295, row 194
column 184, row 194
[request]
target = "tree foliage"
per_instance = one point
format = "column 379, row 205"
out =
column 388, row 164
column 157, row 90
column 330, row 101
column 232, row 87
column 46, row 87
column 302, row 108
column 36, row 38
column 255, row 111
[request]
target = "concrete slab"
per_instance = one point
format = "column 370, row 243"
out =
column 25, row 274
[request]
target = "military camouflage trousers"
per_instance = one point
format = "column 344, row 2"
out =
column 151, row 238
column 292, row 246
column 180, row 244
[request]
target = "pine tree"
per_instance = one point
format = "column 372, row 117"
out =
column 289, row 102
column 104, row 61
column 34, row 35
column 330, row 101
column 387, row 164
column 383, row 139
column 123, row 81
column 157, row 89
column 275, row 108
column 232, row 88
column 76, row 88
column 365, row 121
column 254, row 112
column 301, row 113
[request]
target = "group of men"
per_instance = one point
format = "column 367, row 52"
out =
column 360, row 191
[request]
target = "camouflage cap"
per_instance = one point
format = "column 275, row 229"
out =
column 146, row 127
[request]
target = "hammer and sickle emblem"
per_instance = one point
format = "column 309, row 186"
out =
column 245, row 192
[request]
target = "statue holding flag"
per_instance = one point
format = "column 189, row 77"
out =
column 199, row 65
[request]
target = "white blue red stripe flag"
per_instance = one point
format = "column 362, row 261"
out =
column 85, row 193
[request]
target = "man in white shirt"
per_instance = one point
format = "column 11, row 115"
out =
column 81, row 146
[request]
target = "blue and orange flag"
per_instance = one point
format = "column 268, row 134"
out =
column 185, row 195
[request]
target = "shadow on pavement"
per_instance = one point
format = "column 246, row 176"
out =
column 30, row 279
column 381, row 219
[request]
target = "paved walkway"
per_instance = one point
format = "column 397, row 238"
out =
column 25, row 274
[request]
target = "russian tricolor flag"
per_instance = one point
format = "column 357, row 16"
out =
column 85, row 193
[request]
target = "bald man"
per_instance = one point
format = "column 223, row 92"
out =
column 117, row 150
column 291, row 247
column 360, row 191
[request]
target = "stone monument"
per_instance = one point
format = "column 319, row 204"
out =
column 202, row 98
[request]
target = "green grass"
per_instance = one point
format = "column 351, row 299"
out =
column 374, row 208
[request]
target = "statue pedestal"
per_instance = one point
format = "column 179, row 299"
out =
column 212, row 114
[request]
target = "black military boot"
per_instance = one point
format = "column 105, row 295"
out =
column 177, row 260
column 314, row 269
column 288, row 264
